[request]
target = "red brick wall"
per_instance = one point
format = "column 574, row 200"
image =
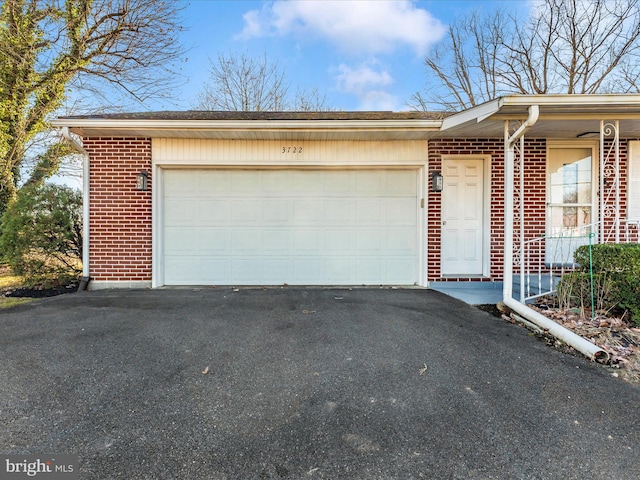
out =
column 120, row 215
column 535, row 167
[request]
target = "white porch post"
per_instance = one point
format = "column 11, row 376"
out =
column 609, row 169
column 509, row 156
column 507, row 285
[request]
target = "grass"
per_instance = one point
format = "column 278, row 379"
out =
column 12, row 302
column 9, row 281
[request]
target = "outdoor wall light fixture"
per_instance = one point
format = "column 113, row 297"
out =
column 436, row 181
column 142, row 181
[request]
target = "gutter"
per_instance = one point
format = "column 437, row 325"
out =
column 582, row 345
column 85, row 206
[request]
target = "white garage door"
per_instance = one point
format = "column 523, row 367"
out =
column 300, row 227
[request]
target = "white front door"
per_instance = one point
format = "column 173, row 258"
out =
column 463, row 242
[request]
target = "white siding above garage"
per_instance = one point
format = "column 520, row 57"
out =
column 300, row 227
column 194, row 152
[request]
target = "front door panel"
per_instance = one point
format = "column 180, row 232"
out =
column 462, row 217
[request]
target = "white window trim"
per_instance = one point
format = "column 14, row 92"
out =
column 595, row 169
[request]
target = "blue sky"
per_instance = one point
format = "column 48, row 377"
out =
column 363, row 54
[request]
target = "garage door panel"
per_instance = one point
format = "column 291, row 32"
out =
column 399, row 268
column 308, row 212
column 246, row 270
column 371, row 241
column 245, row 212
column 213, row 270
column 400, row 211
column 180, row 211
column 182, row 269
column 306, row 242
column 179, row 183
column 242, row 186
column 401, row 240
column 278, row 182
column 214, row 241
column 401, row 183
column 214, row 212
column 370, row 182
column 338, row 270
column 266, row 227
column 181, row 240
column 307, row 270
column 215, row 185
column 275, row 271
column 245, row 241
column 338, row 241
column 369, row 269
column 304, row 185
column 275, row 212
column 338, row 183
column 339, row 211
column 275, row 242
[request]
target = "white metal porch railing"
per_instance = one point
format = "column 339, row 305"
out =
column 544, row 260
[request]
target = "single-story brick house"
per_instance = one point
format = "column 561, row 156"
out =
column 351, row 198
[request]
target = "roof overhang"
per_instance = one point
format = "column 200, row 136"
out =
column 412, row 129
column 561, row 116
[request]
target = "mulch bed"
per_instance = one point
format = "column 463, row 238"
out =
column 25, row 292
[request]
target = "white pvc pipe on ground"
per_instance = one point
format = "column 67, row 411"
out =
column 572, row 339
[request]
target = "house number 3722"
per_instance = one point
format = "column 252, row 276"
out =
column 291, row 149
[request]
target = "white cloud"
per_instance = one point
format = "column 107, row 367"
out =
column 361, row 79
column 367, row 84
column 364, row 26
column 376, row 100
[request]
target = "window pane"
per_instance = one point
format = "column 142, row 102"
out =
column 569, row 220
column 569, row 171
column 570, row 175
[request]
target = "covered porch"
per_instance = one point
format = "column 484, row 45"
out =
column 589, row 192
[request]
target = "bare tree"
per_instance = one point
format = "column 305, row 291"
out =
column 310, row 101
column 243, row 83
column 565, row 46
column 239, row 82
column 49, row 47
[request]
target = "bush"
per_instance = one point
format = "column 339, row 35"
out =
column 574, row 289
column 616, row 271
column 42, row 235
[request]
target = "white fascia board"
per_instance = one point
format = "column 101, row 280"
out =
column 120, row 124
column 572, row 99
column 475, row 114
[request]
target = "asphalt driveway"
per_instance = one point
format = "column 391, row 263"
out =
column 304, row 384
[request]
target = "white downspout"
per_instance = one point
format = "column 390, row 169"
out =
column 85, row 200
column 570, row 338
